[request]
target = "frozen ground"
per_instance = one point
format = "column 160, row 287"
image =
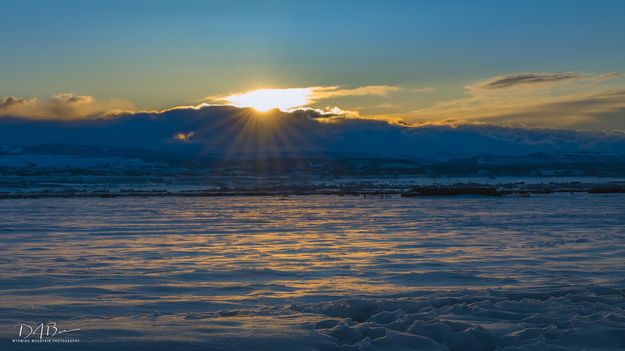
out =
column 317, row 273
column 177, row 183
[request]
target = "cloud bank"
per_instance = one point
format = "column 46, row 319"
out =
column 231, row 131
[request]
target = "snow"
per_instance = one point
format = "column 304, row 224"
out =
column 590, row 318
column 317, row 272
column 68, row 161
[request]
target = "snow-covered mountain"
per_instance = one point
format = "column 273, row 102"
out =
column 223, row 140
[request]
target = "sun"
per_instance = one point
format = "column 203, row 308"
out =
column 268, row 99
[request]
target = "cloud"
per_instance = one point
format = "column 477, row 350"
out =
column 536, row 100
column 231, row 131
column 608, row 76
column 63, row 106
column 69, row 98
column 562, row 101
column 581, row 111
column 321, row 93
column 327, row 112
column 10, row 101
column 511, row 80
column 290, row 98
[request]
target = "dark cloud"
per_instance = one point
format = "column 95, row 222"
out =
column 506, row 81
column 231, row 131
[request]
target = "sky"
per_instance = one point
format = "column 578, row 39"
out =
column 544, row 64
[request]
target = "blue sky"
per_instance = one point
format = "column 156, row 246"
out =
column 158, row 54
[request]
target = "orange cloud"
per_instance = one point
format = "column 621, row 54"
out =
column 552, row 100
column 63, row 106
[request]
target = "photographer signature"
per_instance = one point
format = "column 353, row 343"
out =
column 41, row 330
